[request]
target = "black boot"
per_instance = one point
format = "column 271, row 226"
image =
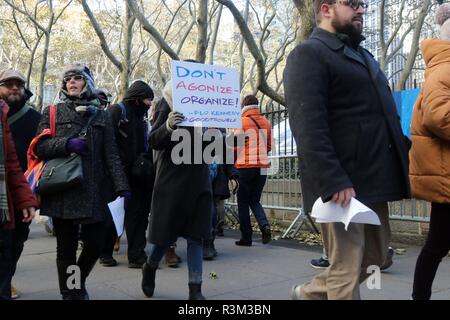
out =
column 195, row 291
column 148, row 279
column 208, row 250
column 66, row 293
column 86, row 264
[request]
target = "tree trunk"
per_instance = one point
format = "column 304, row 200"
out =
column 241, row 49
column 307, row 19
column 126, row 64
column 40, row 95
column 214, row 37
column 202, row 24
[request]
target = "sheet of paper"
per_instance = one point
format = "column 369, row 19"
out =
column 355, row 212
column 117, row 210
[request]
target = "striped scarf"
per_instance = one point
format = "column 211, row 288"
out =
column 4, row 210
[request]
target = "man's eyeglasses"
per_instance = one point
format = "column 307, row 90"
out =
column 77, row 77
column 11, row 83
column 354, row 4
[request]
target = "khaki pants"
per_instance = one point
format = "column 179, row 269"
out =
column 350, row 253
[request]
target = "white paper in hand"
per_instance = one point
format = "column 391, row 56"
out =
column 117, row 209
column 355, row 212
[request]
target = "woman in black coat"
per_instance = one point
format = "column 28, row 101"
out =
column 181, row 202
column 86, row 204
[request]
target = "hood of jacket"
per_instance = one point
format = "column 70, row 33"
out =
column 435, row 52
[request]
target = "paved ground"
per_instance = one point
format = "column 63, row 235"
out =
column 258, row 272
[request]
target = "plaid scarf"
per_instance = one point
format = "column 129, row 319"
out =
column 4, row 210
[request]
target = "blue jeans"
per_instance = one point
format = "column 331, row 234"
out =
column 251, row 185
column 194, row 258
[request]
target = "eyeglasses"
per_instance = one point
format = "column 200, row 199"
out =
column 77, row 77
column 354, row 4
column 11, row 83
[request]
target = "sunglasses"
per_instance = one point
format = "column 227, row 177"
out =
column 354, row 4
column 77, row 77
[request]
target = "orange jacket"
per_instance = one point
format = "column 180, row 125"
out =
column 429, row 168
column 253, row 144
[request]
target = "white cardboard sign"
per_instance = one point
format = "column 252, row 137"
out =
column 207, row 95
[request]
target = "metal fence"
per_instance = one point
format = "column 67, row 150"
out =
column 283, row 191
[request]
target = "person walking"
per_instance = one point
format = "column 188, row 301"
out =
column 129, row 119
column 23, row 121
column 349, row 142
column 251, row 163
column 16, row 198
column 83, row 204
column 181, row 203
column 429, row 166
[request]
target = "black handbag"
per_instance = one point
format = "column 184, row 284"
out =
column 61, row 174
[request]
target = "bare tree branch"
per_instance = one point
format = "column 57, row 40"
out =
column 262, row 84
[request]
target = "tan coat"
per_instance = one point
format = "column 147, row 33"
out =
column 429, row 168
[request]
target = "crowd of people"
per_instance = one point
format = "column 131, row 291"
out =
column 349, row 140
column 125, row 151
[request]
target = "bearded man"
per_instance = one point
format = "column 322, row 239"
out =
column 349, row 142
column 23, row 121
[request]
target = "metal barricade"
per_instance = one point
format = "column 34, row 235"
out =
column 283, row 191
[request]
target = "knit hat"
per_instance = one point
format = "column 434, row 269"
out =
column 80, row 69
column 139, row 90
column 250, row 100
column 10, row 74
column 443, row 13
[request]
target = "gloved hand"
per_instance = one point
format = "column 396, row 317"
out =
column 77, row 145
column 125, row 194
column 174, row 119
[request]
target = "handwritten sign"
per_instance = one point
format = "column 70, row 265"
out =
column 207, row 95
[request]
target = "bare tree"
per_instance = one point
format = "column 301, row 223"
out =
column 214, row 34
column 261, row 81
column 124, row 64
column 46, row 30
column 414, row 48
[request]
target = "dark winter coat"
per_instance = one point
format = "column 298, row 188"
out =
column 24, row 130
column 88, row 202
column 225, row 172
column 182, row 200
column 130, row 137
column 344, row 121
column 19, row 193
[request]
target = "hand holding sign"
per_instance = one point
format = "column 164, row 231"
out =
column 174, row 118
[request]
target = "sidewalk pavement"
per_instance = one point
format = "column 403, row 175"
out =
column 258, row 272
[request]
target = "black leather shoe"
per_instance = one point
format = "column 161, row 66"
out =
column 266, row 235
column 148, row 280
column 137, row 264
column 245, row 243
column 108, row 262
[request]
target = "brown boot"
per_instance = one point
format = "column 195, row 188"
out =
column 171, row 257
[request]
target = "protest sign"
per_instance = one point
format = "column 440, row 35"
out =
column 207, row 95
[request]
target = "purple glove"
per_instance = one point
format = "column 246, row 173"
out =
column 77, row 145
